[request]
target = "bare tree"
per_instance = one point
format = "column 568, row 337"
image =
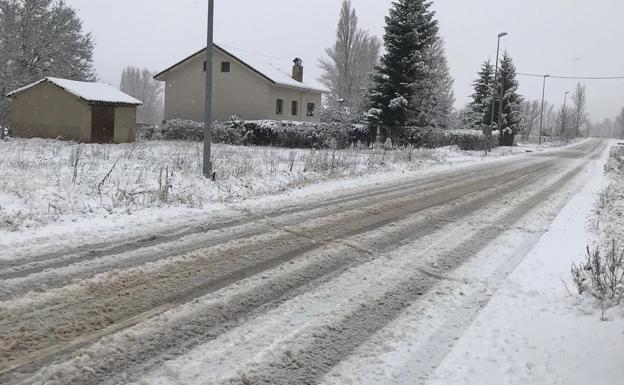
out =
column 579, row 115
column 531, row 110
column 140, row 84
column 619, row 122
column 564, row 123
column 349, row 63
column 40, row 38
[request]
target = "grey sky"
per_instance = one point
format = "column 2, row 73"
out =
column 562, row 37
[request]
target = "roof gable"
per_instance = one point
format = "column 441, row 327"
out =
column 87, row 91
column 265, row 66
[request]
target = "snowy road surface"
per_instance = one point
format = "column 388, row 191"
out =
column 300, row 293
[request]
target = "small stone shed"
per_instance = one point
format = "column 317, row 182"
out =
column 72, row 110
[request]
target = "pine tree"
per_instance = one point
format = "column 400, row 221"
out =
column 434, row 96
column 481, row 105
column 410, row 31
column 40, row 38
column 507, row 86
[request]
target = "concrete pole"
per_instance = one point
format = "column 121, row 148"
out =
column 564, row 116
column 542, row 113
column 490, row 129
column 208, row 101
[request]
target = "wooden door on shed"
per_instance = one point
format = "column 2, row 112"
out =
column 102, row 124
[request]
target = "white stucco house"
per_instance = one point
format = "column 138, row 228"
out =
column 249, row 85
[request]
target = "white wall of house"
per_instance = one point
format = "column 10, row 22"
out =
column 241, row 92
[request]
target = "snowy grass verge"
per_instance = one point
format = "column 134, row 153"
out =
column 48, row 181
column 600, row 277
column 45, row 181
column 532, row 332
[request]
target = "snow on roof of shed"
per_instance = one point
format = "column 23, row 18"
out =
column 88, row 91
column 270, row 68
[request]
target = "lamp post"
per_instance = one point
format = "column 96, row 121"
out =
column 542, row 113
column 489, row 131
column 564, row 115
column 207, row 167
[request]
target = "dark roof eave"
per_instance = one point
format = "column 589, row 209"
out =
column 114, row 104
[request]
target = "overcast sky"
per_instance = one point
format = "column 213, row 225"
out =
column 559, row 37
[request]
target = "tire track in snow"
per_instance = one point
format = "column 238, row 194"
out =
column 14, row 268
column 493, row 190
column 23, row 267
column 394, row 216
column 327, row 347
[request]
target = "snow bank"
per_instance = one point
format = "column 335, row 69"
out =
column 532, row 331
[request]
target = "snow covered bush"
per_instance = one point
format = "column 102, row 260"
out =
column 286, row 134
column 471, row 140
column 179, row 129
column 601, row 275
column 289, row 134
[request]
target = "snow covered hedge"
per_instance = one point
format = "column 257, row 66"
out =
column 288, row 134
column 285, row 134
column 435, row 137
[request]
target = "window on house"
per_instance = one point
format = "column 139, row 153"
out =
column 294, row 108
column 225, row 66
column 204, row 66
column 311, row 109
column 279, row 107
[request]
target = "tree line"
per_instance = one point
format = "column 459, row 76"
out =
column 46, row 38
column 411, row 85
column 408, row 85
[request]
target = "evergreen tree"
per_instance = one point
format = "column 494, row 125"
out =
column 410, row 31
column 481, row 105
column 433, row 96
column 40, row 38
column 507, row 86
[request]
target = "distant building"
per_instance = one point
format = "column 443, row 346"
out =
column 248, row 85
column 71, row 110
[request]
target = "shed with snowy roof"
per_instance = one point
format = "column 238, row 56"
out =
column 246, row 84
column 72, row 110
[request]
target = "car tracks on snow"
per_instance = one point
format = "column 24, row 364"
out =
column 263, row 259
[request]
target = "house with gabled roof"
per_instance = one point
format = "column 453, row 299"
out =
column 86, row 112
column 248, row 85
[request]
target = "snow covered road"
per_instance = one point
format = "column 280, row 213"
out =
column 296, row 293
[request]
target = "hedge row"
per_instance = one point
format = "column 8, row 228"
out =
column 317, row 135
column 469, row 139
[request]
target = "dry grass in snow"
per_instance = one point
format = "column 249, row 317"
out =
column 44, row 181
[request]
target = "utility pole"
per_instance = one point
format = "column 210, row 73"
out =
column 488, row 133
column 542, row 113
column 564, row 115
column 208, row 101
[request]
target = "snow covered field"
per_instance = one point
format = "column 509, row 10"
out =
column 68, row 193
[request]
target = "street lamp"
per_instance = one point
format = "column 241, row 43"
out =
column 489, row 131
column 564, row 116
column 542, row 113
column 207, row 167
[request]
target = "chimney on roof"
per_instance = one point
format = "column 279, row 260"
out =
column 297, row 72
